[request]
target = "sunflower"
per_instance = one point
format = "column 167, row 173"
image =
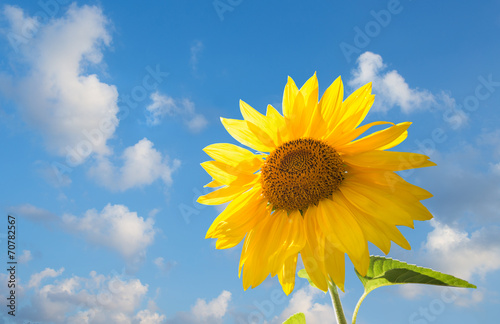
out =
column 312, row 186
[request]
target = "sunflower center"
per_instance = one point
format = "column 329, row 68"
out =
column 300, row 173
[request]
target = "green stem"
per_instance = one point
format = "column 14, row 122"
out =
column 337, row 305
column 357, row 308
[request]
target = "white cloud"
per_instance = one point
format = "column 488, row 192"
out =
column 164, row 266
column 390, row 87
column 164, row 105
column 196, row 123
column 148, row 317
column 33, row 213
column 142, row 165
column 490, row 139
column 467, row 255
column 95, row 299
column 52, row 175
column 495, row 168
column 73, row 110
column 22, row 28
column 203, row 312
column 116, row 228
column 37, row 278
column 463, row 254
column 25, row 257
column 303, row 301
column 196, row 49
column 392, row 90
column 465, row 185
column 215, row 309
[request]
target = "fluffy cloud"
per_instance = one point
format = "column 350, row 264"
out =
column 37, row 278
column 142, row 165
column 115, row 227
column 205, row 312
column 95, row 299
column 73, row 110
column 392, row 90
column 22, row 28
column 164, row 105
column 303, row 301
column 390, row 87
column 470, row 256
column 461, row 253
column 215, row 309
column 148, row 317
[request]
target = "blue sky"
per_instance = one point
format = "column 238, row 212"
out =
column 105, row 109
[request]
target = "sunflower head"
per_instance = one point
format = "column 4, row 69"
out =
column 312, row 184
column 300, row 173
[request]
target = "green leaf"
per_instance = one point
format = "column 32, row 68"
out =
column 386, row 271
column 303, row 274
column 298, row 318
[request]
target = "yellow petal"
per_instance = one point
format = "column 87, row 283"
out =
column 262, row 135
column 213, row 184
column 286, row 275
column 255, row 272
column 240, row 130
column 391, row 182
column 222, row 195
column 229, row 153
column 313, row 252
column 337, row 139
column 290, row 242
column 388, row 160
column 257, row 251
column 228, row 242
column 310, row 91
column 331, row 103
column 399, row 184
column 295, row 121
column 289, row 95
column 313, row 267
column 277, row 125
column 344, row 232
column 228, row 175
column 256, row 118
column 390, row 231
column 376, row 203
column 241, row 215
column 394, row 235
column 369, row 226
column 355, row 107
column 388, row 137
column 334, row 264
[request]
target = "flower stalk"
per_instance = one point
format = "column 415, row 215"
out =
column 337, row 305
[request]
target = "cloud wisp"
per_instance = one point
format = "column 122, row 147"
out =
column 163, row 106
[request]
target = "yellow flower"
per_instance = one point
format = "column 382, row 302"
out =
column 318, row 191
